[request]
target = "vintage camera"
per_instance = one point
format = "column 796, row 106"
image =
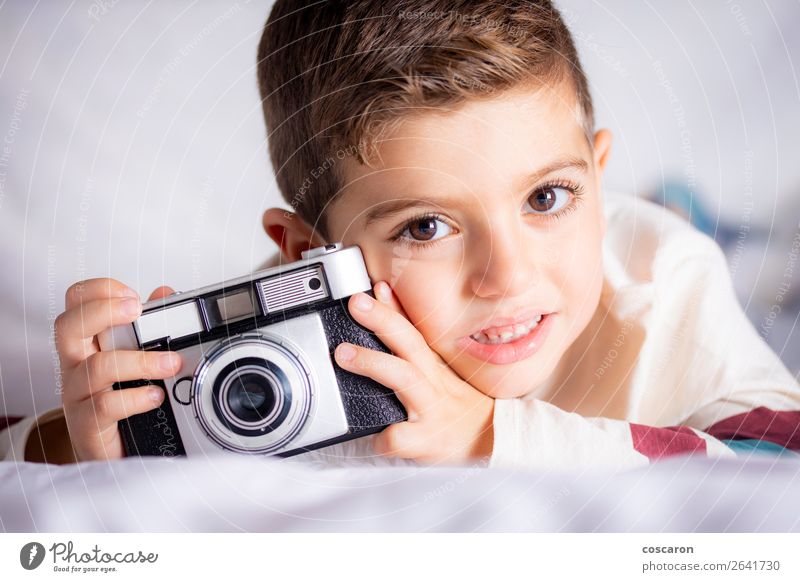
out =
column 258, row 373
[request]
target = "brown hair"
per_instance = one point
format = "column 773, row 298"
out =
column 335, row 75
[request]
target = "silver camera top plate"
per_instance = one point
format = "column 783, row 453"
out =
column 329, row 272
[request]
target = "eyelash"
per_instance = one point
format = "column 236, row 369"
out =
column 574, row 188
column 398, row 236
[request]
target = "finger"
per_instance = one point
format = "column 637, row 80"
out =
column 161, row 292
column 402, row 377
column 402, row 439
column 107, row 408
column 76, row 327
column 384, row 294
column 395, row 330
column 99, row 371
column 92, row 289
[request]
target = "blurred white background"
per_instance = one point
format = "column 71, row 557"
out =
column 133, row 147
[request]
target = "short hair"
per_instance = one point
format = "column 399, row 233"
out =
column 335, row 75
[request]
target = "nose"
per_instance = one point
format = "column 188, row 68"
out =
column 503, row 267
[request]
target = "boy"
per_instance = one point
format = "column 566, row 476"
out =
column 531, row 322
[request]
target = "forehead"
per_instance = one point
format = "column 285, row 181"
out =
column 493, row 140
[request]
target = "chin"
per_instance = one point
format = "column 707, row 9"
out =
column 507, row 393
column 513, row 385
column 505, row 381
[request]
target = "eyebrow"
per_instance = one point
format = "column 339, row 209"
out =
column 393, row 207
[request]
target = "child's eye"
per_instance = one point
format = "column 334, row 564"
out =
column 422, row 230
column 548, row 200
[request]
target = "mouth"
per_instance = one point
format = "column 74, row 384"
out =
column 506, row 333
column 510, row 343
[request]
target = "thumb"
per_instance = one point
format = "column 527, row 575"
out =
column 161, row 292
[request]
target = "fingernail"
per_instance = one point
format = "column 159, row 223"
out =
column 156, row 395
column 345, row 352
column 168, row 361
column 383, row 291
column 131, row 307
column 363, row 302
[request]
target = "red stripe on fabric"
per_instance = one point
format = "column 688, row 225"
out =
column 655, row 443
column 781, row 427
column 6, row 421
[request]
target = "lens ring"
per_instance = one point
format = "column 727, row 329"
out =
column 222, row 387
column 292, row 372
column 251, row 396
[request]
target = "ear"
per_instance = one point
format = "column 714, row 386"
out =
column 602, row 152
column 290, row 232
column 602, row 149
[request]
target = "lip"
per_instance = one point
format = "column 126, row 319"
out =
column 524, row 317
column 514, row 351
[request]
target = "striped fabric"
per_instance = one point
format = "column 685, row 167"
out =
column 761, row 429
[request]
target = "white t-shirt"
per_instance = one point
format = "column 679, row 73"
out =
column 668, row 353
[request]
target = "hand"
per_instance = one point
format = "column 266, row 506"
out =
column 448, row 419
column 91, row 407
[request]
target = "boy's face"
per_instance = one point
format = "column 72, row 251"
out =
column 507, row 223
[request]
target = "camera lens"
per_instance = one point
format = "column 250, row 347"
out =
column 253, row 393
column 251, row 397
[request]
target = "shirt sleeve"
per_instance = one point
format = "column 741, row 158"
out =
column 534, row 434
column 705, row 369
column 14, row 437
column 748, row 399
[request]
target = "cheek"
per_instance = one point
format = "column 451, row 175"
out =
column 578, row 269
column 427, row 293
column 428, row 299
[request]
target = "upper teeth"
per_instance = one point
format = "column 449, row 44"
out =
column 506, row 334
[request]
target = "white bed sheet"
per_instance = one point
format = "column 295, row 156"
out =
column 233, row 493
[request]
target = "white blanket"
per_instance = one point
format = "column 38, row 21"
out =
column 235, row 493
